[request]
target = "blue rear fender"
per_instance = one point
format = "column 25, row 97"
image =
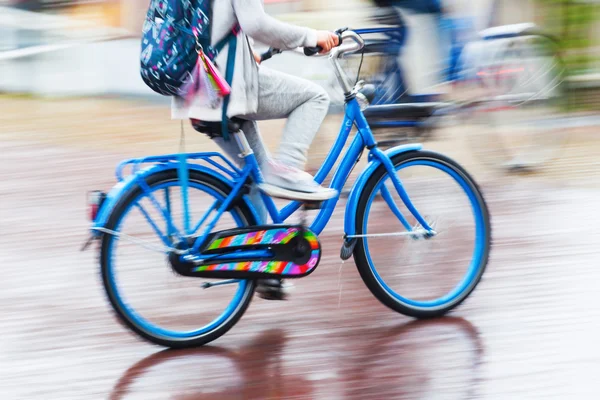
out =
column 119, row 190
column 359, row 185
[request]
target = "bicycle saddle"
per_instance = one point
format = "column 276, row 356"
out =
column 213, row 128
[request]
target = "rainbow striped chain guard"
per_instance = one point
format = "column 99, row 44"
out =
column 280, row 251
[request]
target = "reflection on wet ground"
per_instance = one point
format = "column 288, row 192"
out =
column 408, row 361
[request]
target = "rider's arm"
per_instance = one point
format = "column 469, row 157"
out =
column 259, row 25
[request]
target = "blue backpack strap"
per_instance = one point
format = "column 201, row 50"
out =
column 231, row 35
column 230, row 39
column 229, row 80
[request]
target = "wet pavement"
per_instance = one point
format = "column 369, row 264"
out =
column 529, row 331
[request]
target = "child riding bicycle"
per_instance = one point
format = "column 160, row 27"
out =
column 259, row 93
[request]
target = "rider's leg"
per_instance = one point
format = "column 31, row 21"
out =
column 269, row 289
column 421, row 55
column 305, row 105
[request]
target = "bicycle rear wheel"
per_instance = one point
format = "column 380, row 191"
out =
column 423, row 277
column 147, row 295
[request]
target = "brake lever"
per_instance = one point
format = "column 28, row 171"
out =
column 339, row 33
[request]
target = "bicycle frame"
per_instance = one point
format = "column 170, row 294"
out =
column 364, row 138
column 237, row 179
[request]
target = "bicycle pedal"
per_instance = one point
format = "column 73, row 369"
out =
column 312, row 205
column 272, row 295
column 275, row 290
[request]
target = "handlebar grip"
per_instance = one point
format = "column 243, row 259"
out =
column 311, row 51
column 269, row 54
column 265, row 56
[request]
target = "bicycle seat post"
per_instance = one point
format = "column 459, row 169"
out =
column 242, row 142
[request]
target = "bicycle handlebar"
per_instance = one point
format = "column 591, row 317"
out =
column 336, row 53
column 308, row 51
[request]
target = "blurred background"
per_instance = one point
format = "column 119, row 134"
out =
column 30, row 29
column 72, row 105
column 54, row 51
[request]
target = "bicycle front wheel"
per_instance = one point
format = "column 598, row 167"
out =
column 414, row 275
column 147, row 295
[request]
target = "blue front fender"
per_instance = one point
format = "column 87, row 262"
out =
column 126, row 184
column 359, row 185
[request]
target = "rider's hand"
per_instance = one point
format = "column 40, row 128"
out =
column 327, row 40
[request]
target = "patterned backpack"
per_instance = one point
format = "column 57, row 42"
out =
column 174, row 34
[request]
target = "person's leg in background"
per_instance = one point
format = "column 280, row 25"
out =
column 422, row 57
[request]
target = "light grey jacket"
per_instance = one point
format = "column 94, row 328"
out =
column 257, row 25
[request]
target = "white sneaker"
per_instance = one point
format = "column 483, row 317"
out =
column 285, row 182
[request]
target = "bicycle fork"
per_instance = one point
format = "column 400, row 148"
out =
column 426, row 232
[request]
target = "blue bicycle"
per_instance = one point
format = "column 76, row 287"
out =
column 195, row 211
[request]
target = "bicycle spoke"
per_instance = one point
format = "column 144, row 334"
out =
column 162, row 211
column 140, row 242
column 416, row 233
column 160, row 234
column 168, row 206
column 207, row 214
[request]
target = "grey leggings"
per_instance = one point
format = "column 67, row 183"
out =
column 303, row 103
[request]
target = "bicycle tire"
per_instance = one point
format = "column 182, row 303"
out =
column 366, row 270
column 120, row 210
